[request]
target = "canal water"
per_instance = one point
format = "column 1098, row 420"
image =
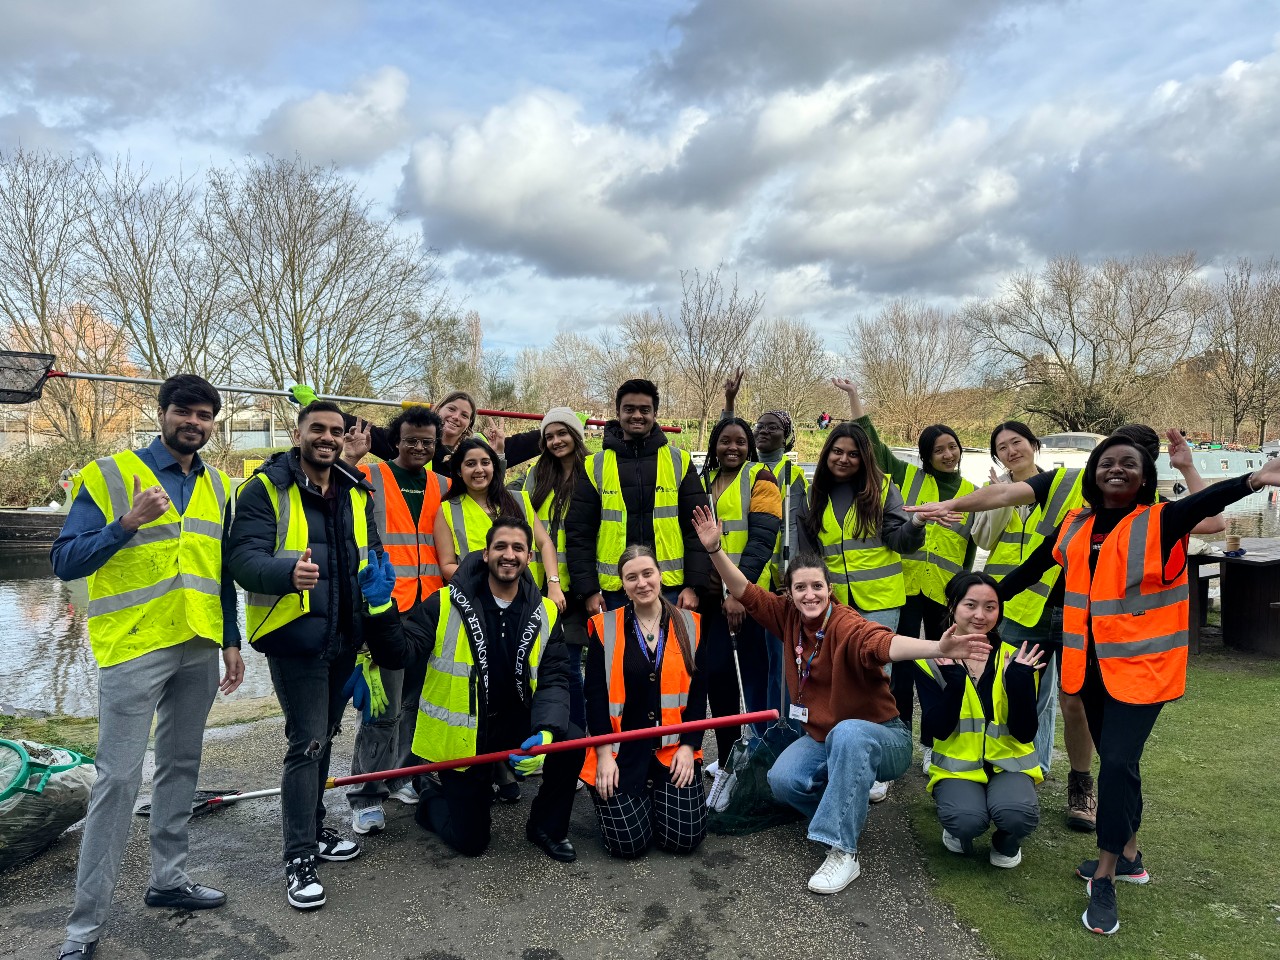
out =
column 46, row 664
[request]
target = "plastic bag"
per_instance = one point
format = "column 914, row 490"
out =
column 741, row 800
column 43, row 790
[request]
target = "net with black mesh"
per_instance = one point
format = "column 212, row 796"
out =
column 22, row 375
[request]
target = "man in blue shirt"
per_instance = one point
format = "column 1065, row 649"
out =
column 147, row 528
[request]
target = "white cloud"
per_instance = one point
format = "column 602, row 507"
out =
column 350, row 129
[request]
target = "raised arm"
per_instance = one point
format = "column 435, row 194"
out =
column 954, row 645
column 708, row 529
column 1180, row 459
column 985, row 498
column 850, row 390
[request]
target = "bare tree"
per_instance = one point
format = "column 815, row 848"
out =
column 790, row 366
column 710, row 336
column 638, row 347
column 1087, row 342
column 323, row 285
column 907, row 358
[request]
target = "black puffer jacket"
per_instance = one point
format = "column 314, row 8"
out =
column 638, row 475
column 409, row 640
column 334, row 622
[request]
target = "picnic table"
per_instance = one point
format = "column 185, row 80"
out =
column 1250, row 596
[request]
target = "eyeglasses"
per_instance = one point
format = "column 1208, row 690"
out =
column 416, row 444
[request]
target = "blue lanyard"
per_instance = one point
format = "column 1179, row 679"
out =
column 803, row 674
column 654, row 657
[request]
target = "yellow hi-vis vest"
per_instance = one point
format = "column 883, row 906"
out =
column 164, row 586
column 1020, row 538
column 864, row 573
column 555, row 530
column 265, row 612
column 931, row 568
column 470, row 525
column 978, row 740
column 668, row 542
column 454, row 687
column 789, row 476
column 732, row 508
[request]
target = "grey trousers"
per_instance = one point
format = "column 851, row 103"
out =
column 175, row 685
column 386, row 742
column 966, row 809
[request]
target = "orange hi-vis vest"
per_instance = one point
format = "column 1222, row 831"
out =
column 411, row 547
column 1138, row 616
column 673, row 683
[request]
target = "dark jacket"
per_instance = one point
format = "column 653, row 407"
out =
column 409, row 640
column 520, row 447
column 638, row 475
column 334, row 622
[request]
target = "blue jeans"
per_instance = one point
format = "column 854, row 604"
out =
column 1048, row 633
column 886, row 618
column 828, row 782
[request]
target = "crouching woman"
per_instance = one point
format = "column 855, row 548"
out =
column 981, row 715
column 839, row 691
column 642, row 672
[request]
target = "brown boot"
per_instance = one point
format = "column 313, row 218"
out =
column 1082, row 805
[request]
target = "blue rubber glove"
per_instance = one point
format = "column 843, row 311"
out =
column 302, row 395
column 365, row 688
column 525, row 766
column 377, row 580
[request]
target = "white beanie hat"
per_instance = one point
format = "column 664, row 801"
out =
column 568, row 418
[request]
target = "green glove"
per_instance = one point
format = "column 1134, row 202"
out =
column 302, row 395
column 527, row 766
column 373, row 679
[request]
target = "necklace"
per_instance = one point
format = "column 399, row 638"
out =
column 650, row 630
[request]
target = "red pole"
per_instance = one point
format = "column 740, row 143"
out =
column 644, row 733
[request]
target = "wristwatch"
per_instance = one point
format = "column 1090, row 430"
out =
column 553, row 579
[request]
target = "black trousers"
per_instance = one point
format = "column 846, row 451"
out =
column 917, row 613
column 1120, row 732
column 674, row 817
column 459, row 811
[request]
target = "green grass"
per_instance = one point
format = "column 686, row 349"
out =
column 1210, row 838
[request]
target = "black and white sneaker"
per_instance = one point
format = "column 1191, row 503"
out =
column 334, row 846
column 1127, row 871
column 302, row 886
column 1102, row 915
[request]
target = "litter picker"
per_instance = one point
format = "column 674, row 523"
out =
column 204, row 802
column 23, row 376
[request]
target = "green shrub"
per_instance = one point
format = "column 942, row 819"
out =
column 30, row 476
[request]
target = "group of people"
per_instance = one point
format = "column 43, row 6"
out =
column 454, row 605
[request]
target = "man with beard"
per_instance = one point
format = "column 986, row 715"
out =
column 406, row 499
column 147, row 530
column 304, row 528
column 497, row 678
column 642, row 491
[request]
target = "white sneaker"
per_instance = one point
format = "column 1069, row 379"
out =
column 711, row 769
column 302, row 886
column 879, row 790
column 953, row 843
column 998, row 859
column 406, row 795
column 837, row 871
column 927, row 762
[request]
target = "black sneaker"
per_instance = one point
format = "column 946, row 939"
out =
column 1102, row 916
column 1128, row 871
column 334, row 846
column 302, row 886
column 507, row 792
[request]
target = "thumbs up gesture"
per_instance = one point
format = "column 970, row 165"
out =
column 305, row 573
column 149, row 504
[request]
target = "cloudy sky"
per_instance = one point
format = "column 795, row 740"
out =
column 569, row 159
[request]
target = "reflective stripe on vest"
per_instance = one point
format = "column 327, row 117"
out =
column 674, row 680
column 863, row 572
column 164, row 585
column 929, row 569
column 265, row 612
column 979, row 740
column 449, row 707
column 1138, row 620
column 410, row 546
column 732, row 508
column 668, row 542
column 554, row 526
column 1020, row 538
column 788, row 477
column 470, row 524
